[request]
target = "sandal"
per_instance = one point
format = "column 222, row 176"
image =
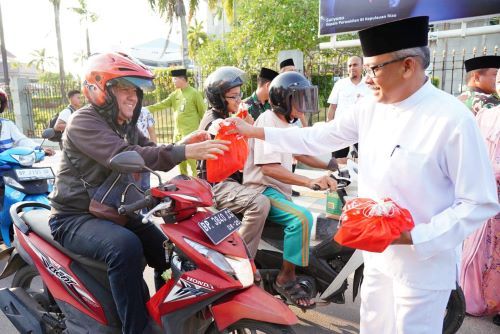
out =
column 292, row 291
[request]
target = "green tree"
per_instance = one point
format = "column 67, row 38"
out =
column 170, row 10
column 57, row 5
column 264, row 28
column 40, row 60
column 196, row 37
column 175, row 9
column 80, row 57
column 86, row 18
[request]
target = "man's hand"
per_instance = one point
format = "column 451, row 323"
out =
column 404, row 239
column 195, row 137
column 245, row 129
column 249, row 119
column 49, row 151
column 206, row 150
column 324, row 182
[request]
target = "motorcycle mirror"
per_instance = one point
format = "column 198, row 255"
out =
column 127, row 162
column 48, row 133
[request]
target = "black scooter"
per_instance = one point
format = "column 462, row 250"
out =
column 330, row 264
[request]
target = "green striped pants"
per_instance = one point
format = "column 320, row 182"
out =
column 298, row 222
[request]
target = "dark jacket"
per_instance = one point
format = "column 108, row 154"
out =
column 201, row 165
column 90, row 141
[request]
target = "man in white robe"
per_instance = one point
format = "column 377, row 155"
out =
column 422, row 148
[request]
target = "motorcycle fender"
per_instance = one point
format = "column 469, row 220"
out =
column 40, row 198
column 252, row 303
column 13, row 264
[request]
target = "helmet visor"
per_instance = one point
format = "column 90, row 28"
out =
column 141, row 83
column 305, row 99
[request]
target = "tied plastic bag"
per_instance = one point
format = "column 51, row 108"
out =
column 242, row 111
column 232, row 160
column 372, row 226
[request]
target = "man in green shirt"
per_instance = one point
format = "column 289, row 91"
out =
column 188, row 110
column 259, row 101
column 481, row 76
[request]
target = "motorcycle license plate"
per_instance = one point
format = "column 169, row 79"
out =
column 32, row 174
column 220, row 225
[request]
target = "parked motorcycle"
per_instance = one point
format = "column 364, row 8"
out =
column 208, row 289
column 330, row 265
column 22, row 182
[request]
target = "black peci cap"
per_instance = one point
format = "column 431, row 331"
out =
column 181, row 72
column 482, row 62
column 287, row 62
column 394, row 36
column 267, row 73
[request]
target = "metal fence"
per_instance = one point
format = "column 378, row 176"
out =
column 446, row 71
column 447, row 68
column 44, row 101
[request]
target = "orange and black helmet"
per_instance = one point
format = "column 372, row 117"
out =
column 106, row 69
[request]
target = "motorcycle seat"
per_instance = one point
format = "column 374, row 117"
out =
column 38, row 221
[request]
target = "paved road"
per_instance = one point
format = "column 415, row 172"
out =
column 342, row 319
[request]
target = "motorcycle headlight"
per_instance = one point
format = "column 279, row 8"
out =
column 26, row 160
column 215, row 257
column 240, row 268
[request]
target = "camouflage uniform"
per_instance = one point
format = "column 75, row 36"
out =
column 255, row 108
column 475, row 99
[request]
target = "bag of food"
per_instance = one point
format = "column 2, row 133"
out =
column 372, row 226
column 232, row 160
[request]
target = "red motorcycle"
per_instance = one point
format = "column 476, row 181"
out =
column 209, row 288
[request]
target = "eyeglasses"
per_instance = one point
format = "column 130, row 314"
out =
column 235, row 97
column 372, row 70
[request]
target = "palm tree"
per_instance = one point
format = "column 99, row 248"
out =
column 57, row 5
column 40, row 59
column 196, row 37
column 171, row 9
column 80, row 57
column 86, row 17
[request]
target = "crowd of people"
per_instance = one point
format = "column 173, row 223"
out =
column 417, row 145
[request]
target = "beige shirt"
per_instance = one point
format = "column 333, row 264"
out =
column 260, row 153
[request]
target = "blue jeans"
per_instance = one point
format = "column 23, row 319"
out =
column 122, row 249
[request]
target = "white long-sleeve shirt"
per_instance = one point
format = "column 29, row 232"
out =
column 11, row 136
column 426, row 153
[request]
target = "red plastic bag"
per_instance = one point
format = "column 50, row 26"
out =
column 370, row 225
column 232, row 160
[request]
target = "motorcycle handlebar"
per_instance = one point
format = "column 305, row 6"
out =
column 141, row 204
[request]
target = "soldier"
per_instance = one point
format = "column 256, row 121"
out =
column 287, row 65
column 481, row 73
column 259, row 101
column 189, row 108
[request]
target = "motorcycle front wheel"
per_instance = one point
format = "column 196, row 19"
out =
column 252, row 327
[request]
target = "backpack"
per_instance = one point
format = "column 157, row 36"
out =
column 52, row 122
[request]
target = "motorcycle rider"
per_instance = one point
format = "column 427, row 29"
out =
column 223, row 91
column 114, row 86
column 10, row 136
column 270, row 173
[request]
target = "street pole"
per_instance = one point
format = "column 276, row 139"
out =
column 4, row 52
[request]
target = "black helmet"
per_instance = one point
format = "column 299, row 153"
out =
column 3, row 100
column 292, row 88
column 220, row 81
